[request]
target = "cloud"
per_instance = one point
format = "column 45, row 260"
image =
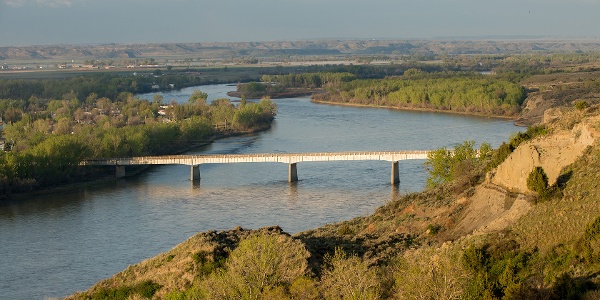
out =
column 51, row 3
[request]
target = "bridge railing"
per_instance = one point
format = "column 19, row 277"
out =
column 202, row 158
column 290, row 158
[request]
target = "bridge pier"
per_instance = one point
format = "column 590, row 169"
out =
column 120, row 170
column 395, row 173
column 293, row 173
column 195, row 173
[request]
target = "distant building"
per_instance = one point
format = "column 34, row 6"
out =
column 155, row 87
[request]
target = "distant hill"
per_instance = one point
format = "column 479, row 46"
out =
column 298, row 48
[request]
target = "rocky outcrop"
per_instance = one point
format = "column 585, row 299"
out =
column 552, row 153
column 504, row 197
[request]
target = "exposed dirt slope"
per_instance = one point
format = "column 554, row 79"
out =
column 504, row 197
column 558, row 90
column 552, row 153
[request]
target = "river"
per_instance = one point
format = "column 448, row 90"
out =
column 53, row 245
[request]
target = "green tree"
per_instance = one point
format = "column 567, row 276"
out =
column 537, row 181
column 198, row 97
column 157, row 99
column 445, row 165
column 439, row 163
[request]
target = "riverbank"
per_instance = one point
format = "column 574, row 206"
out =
column 289, row 93
column 109, row 177
column 415, row 109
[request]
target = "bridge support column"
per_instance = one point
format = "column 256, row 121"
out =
column 293, row 173
column 120, row 171
column 195, row 173
column 395, row 173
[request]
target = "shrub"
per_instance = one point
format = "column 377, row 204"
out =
column 501, row 271
column 445, row 165
column 567, row 288
column 591, row 241
column 500, row 155
column 349, row 277
column 260, row 266
column 537, row 181
column 580, row 105
column 433, row 229
column 304, row 288
column 507, row 148
column 431, row 274
column 345, row 230
column 145, row 289
column 207, row 263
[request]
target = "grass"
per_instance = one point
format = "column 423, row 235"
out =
column 560, row 221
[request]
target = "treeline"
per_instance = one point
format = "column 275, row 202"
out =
column 48, row 138
column 104, row 85
column 309, row 80
column 459, row 92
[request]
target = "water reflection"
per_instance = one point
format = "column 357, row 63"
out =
column 293, row 191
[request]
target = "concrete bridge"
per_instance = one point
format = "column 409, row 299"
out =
column 288, row 158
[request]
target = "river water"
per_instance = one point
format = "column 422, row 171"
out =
column 56, row 244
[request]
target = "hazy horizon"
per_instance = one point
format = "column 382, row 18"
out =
column 74, row 22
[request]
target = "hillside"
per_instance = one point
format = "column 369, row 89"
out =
column 484, row 235
column 295, row 48
column 558, row 89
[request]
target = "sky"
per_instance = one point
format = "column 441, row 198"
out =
column 47, row 22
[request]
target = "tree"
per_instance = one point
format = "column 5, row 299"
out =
column 445, row 165
column 537, row 181
column 198, row 97
column 157, row 99
column 439, row 164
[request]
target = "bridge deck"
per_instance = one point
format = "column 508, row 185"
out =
column 289, row 158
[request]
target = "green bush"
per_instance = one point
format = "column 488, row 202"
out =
column 431, row 273
column 580, row 105
column 345, row 230
column 261, row 266
column 145, row 289
column 500, row 269
column 206, row 263
column 349, row 277
column 433, row 229
column 591, row 241
column 537, row 181
column 500, row 155
column 568, row 288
